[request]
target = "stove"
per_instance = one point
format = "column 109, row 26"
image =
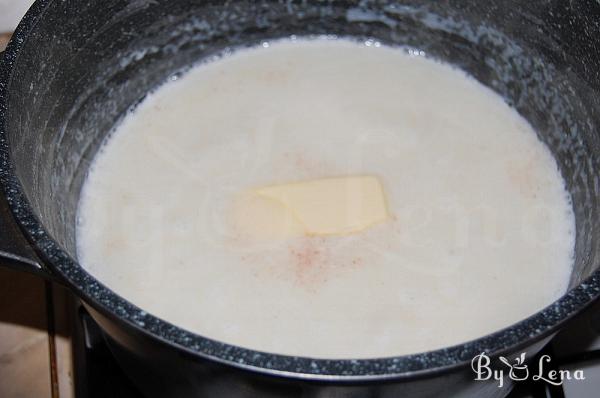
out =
column 96, row 373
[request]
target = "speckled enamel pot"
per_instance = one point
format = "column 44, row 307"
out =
column 74, row 68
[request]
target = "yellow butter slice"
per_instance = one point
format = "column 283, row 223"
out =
column 330, row 206
column 259, row 218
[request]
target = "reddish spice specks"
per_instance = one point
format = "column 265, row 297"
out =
column 315, row 263
column 306, row 256
column 310, row 258
column 310, row 263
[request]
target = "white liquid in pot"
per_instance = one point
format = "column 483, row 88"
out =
column 480, row 230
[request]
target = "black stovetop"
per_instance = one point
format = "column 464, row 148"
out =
column 96, row 374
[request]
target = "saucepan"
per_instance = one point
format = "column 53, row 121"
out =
column 74, row 68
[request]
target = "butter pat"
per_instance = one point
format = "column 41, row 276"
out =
column 259, row 218
column 327, row 206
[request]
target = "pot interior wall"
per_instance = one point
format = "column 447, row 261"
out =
column 84, row 64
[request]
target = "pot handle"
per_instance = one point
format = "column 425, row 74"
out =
column 15, row 251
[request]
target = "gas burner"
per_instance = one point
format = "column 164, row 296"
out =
column 96, row 373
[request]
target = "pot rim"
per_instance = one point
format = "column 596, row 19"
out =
column 511, row 339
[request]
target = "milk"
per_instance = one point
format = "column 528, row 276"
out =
column 480, row 232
